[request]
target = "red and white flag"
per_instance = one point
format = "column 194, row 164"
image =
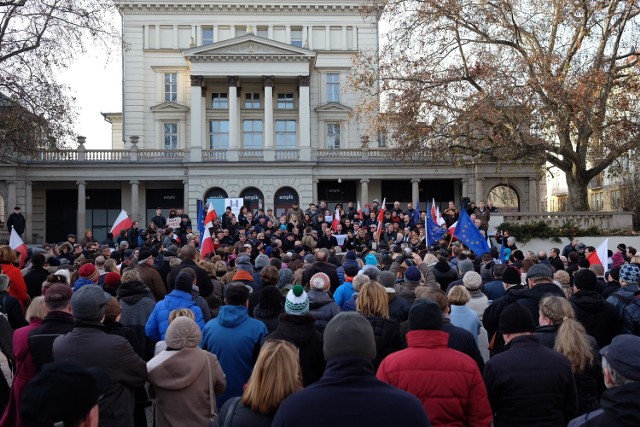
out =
column 123, row 222
column 440, row 220
column 16, row 243
column 434, row 211
column 600, row 255
column 211, row 216
column 206, row 245
column 336, row 220
column 452, row 229
column 381, row 216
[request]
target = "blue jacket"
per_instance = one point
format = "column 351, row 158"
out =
column 235, row 339
column 81, row 282
column 158, row 322
column 343, row 294
column 465, row 318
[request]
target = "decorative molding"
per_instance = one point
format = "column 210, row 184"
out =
column 160, row 8
column 268, row 81
column 197, row 80
column 248, row 48
column 233, row 81
column 333, row 107
column 304, row 81
column 169, row 107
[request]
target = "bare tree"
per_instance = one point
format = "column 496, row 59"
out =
column 538, row 81
column 38, row 39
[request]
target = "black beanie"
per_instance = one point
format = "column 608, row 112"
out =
column 425, row 314
column 585, row 279
column 184, row 282
column 349, row 334
column 512, row 276
column 516, row 318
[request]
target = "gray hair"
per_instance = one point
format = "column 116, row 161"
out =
column 359, row 281
column 616, row 378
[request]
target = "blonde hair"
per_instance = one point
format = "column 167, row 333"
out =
column 459, row 295
column 564, row 279
column 373, row 301
column 36, row 310
column 275, row 376
column 359, row 280
column 181, row 312
column 112, row 310
column 130, row 276
column 571, row 339
column 111, row 265
column 174, row 262
column 7, row 255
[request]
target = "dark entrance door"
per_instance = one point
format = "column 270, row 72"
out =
column 61, row 215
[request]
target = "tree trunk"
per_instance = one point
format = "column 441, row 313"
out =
column 577, row 184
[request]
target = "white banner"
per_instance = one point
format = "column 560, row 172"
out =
column 235, row 204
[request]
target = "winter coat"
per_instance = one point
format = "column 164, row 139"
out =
column 444, row 274
column 463, row 341
column 494, row 290
column 343, row 294
column 136, row 305
column 269, row 316
column 152, row 279
column 387, row 336
column 202, row 278
column 241, row 416
column 619, row 406
column 180, row 381
column 631, row 317
column 17, row 288
column 407, row 291
column 621, row 298
column 156, row 326
column 540, row 392
column 598, row 317
column 465, row 318
column 55, row 324
column 322, row 267
column 322, row 307
column 530, row 297
column 11, row 307
column 398, row 308
column 300, row 331
column 491, row 317
column 33, row 280
column 235, row 339
column 90, row 346
column 358, row 399
column 447, row 382
column 80, row 282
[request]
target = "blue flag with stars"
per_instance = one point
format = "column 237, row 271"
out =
column 434, row 231
column 416, row 212
column 467, row 232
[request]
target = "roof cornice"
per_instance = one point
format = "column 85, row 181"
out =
column 210, row 8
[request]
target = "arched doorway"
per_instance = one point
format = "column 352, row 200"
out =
column 284, row 199
column 215, row 193
column 505, row 198
column 253, row 198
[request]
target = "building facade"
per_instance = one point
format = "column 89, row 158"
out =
column 238, row 99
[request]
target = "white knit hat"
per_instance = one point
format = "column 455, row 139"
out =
column 297, row 301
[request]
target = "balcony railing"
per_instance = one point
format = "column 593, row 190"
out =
column 602, row 220
column 287, row 154
column 250, row 154
column 214, row 155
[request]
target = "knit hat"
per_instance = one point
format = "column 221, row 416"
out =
column 270, row 297
column 464, row 266
column 88, row 303
column 472, row 280
column 184, row 282
column 539, row 271
column 622, row 247
column 413, row 275
column 143, row 255
column 320, row 281
column 630, row 273
column 285, row 277
column 350, row 255
column 511, row 276
column 309, row 259
column 58, row 293
column 261, row 261
column 4, row 282
column 349, row 334
column 183, row 332
column 425, row 314
column 351, row 270
column 585, row 279
column 89, row 271
column 371, row 259
column 516, row 318
column 112, row 280
column 244, row 263
column 297, row 301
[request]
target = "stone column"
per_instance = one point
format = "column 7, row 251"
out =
column 314, row 190
column 533, row 194
column 197, row 119
column 479, row 189
column 234, row 119
column 465, row 190
column 28, row 208
column 12, row 199
column 185, row 196
column 269, row 154
column 364, row 191
column 82, row 208
column 304, row 111
column 135, row 205
column 415, row 189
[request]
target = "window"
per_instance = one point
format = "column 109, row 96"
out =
column 170, row 136
column 219, row 100
column 296, row 36
column 333, row 136
column 263, row 32
column 241, row 30
column 252, row 134
column 333, row 87
column 218, row 134
column 252, row 101
column 285, row 101
column 207, row 34
column 171, row 87
column 285, row 134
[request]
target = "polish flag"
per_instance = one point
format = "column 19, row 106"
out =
column 600, row 255
column 16, row 243
column 452, row 229
column 359, row 210
column 211, row 216
column 123, row 222
column 381, row 216
column 440, row 220
column 434, row 211
column 206, row 245
column 336, row 220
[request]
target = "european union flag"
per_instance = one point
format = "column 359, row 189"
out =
column 416, row 213
column 467, row 232
column 200, row 215
column 434, row 231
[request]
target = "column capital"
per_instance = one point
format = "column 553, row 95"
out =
column 364, row 181
column 415, row 180
column 268, row 81
column 134, row 182
column 304, row 81
column 185, row 181
column 533, row 178
column 480, row 178
column 233, row 80
column 80, row 182
column 197, row 81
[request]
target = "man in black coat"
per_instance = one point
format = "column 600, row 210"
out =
column 188, row 255
column 17, row 221
column 528, row 384
column 322, row 266
column 540, row 282
column 36, row 276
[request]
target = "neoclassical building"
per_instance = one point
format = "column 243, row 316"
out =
column 238, row 99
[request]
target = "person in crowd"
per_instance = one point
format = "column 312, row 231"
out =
column 16, row 221
column 269, row 308
column 344, row 292
column 18, row 288
column 321, row 306
column 628, row 277
column 407, row 288
column 358, row 282
column 187, row 256
column 321, row 265
column 87, row 275
column 10, row 305
column 461, row 315
column 150, row 275
column 398, row 307
column 36, row 275
column 618, row 257
column 494, row 289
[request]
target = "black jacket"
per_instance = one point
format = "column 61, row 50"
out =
column 444, row 274
column 41, row 339
column 598, row 317
column 619, row 406
column 398, row 308
column 202, row 278
column 33, row 279
column 17, row 221
column 491, row 317
column 531, row 297
column 387, row 336
column 12, row 308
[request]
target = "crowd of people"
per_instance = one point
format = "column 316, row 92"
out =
column 284, row 324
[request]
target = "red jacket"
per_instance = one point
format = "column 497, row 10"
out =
column 17, row 286
column 447, row 382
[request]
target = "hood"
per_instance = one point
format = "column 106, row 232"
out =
column 298, row 330
column 177, row 370
column 231, row 316
column 318, row 298
column 242, row 275
column 589, row 301
column 82, row 281
column 622, row 404
column 132, row 292
column 442, row 266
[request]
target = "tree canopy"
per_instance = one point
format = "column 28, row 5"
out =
column 38, row 38
column 539, row 81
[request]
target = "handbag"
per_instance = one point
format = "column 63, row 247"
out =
column 231, row 411
column 212, row 404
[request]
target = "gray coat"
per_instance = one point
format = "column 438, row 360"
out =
column 322, row 308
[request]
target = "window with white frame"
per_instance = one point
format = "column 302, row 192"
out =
column 296, row 36
column 262, row 31
column 333, row 87
column 285, row 134
column 251, row 134
column 219, row 100
column 207, row 34
column 333, row 136
column 171, row 87
column 218, row 134
column 252, row 100
column 285, row 101
column 241, row 30
column 170, row 133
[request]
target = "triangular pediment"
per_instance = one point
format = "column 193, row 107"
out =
column 333, row 107
column 169, row 107
column 245, row 46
